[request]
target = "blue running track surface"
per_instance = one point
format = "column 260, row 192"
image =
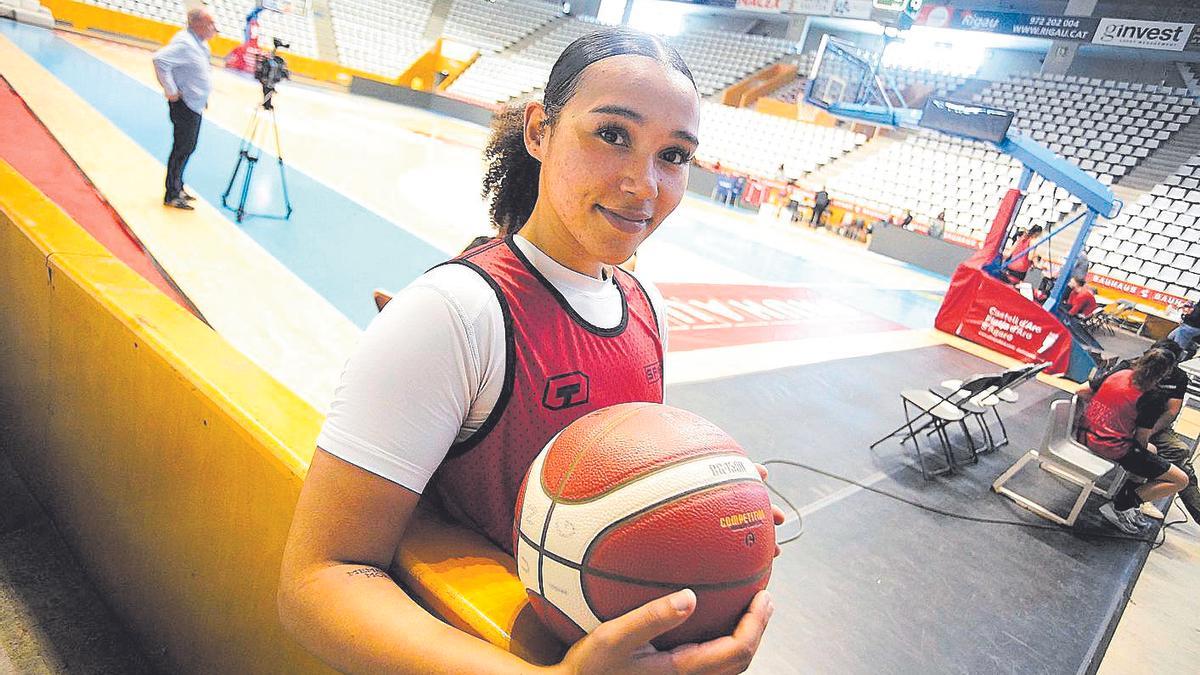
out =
column 338, row 247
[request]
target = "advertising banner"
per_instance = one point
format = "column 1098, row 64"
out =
column 845, row 9
column 851, row 9
column 1074, row 28
column 1004, row 320
column 714, row 3
column 1079, row 29
column 817, row 7
column 772, row 6
column 1071, row 28
column 1161, row 35
column 703, row 316
column 991, row 313
column 935, row 16
column 1139, row 293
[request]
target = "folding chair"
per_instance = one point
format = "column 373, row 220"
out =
column 1097, row 321
column 935, row 413
column 970, row 399
column 1066, row 458
column 1119, row 312
column 1006, row 392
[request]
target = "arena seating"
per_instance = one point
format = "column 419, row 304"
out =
column 754, row 143
column 494, row 25
column 1155, row 242
column 717, row 59
column 792, row 91
column 927, row 173
column 1191, row 76
column 496, row 78
column 940, row 79
column 230, row 18
column 1106, row 126
column 941, row 84
column 296, row 31
column 380, row 36
column 166, row 11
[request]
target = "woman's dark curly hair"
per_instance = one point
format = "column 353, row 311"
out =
column 510, row 183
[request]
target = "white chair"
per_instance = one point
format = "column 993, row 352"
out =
column 1066, row 458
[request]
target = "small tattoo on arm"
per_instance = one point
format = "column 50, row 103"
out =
column 369, row 572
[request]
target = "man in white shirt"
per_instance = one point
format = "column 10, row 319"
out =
column 182, row 67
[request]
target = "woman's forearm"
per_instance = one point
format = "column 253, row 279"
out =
column 356, row 619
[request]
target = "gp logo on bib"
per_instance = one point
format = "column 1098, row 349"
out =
column 566, row 391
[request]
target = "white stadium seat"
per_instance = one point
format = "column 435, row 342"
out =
column 1107, row 127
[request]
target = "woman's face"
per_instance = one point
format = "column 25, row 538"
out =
column 615, row 163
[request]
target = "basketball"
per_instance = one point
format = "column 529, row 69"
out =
column 633, row 502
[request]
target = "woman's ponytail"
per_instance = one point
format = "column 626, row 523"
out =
column 510, row 183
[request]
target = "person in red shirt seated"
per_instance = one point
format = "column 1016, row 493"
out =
column 1082, row 300
column 1120, row 416
column 1017, row 269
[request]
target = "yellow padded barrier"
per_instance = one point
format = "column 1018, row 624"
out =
column 445, row 56
column 744, row 93
column 171, row 463
column 466, row 580
column 166, row 458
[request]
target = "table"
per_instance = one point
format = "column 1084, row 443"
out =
column 1156, row 326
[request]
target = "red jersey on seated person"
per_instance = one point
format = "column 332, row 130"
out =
column 1082, row 302
column 558, row 368
column 1024, row 263
column 1113, row 415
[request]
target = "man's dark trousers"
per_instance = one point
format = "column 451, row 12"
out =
column 817, row 212
column 187, row 129
column 1176, row 450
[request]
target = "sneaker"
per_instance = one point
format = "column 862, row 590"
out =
column 190, row 198
column 1145, row 521
column 1151, row 511
column 1126, row 521
column 178, row 203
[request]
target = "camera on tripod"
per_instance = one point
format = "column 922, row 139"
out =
column 271, row 70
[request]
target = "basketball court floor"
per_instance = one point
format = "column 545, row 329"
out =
column 795, row 342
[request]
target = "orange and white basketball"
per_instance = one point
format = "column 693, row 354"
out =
column 635, row 501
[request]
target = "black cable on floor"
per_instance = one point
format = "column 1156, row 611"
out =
column 799, row 518
column 1159, row 541
column 959, row 516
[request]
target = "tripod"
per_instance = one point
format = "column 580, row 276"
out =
column 248, row 155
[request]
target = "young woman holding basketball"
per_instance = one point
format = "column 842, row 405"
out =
column 470, row 370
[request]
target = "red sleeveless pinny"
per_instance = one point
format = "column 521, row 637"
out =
column 558, row 368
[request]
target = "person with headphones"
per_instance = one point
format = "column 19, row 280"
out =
column 1124, row 408
column 1170, row 445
